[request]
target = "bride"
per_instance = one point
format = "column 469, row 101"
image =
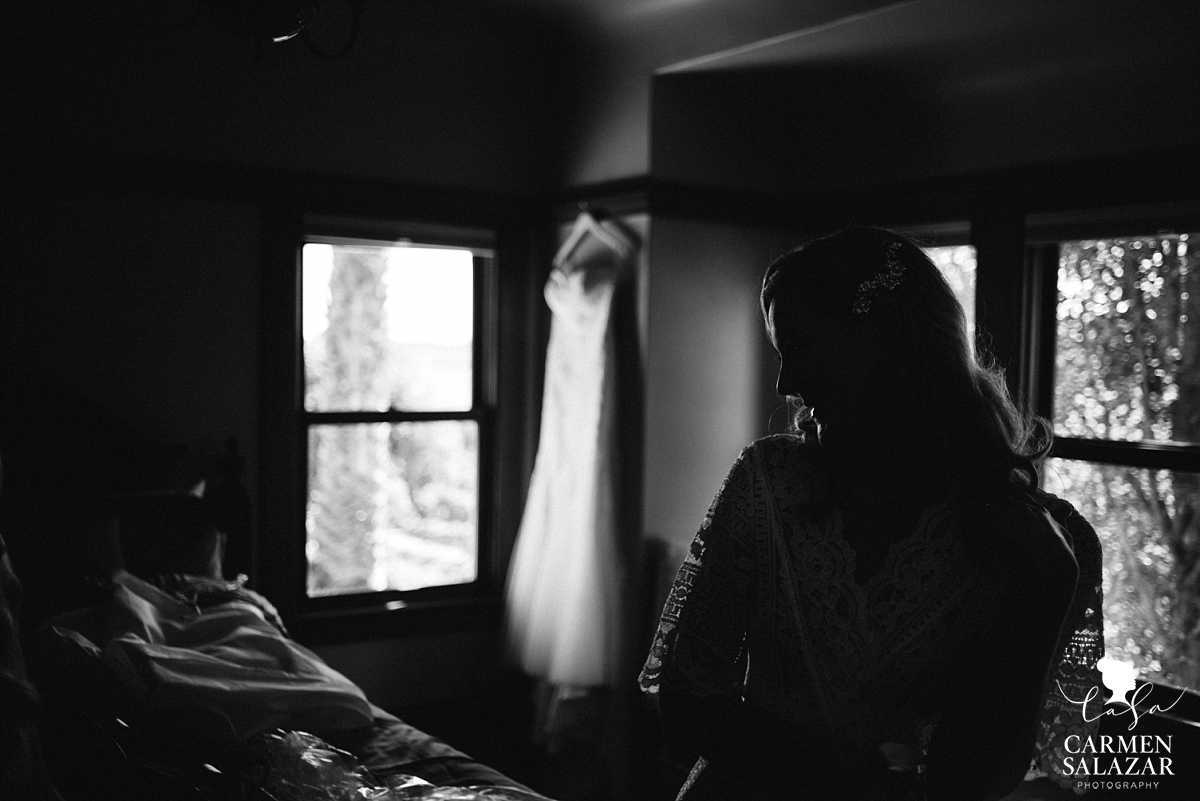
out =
column 881, row 604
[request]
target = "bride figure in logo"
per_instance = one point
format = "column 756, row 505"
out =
column 881, row 604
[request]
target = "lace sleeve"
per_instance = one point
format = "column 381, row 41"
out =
column 1080, row 646
column 699, row 647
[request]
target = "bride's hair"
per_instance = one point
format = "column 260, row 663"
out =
column 965, row 405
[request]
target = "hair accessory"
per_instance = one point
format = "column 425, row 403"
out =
column 875, row 285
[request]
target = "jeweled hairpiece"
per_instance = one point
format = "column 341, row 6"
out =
column 886, row 280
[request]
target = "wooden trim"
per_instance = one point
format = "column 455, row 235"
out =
column 484, row 357
column 375, row 620
column 312, row 418
column 1120, row 221
column 1001, row 293
column 1153, row 455
column 280, row 402
column 1137, row 179
column 310, row 193
column 1043, row 318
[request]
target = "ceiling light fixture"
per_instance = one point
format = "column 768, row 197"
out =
column 264, row 22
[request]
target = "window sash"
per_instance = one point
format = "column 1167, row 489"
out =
column 1043, row 242
column 1044, row 233
column 389, row 416
column 1155, row 455
column 484, row 382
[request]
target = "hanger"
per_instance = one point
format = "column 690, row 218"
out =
column 586, row 224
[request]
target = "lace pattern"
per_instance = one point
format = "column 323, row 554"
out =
column 1081, row 645
column 766, row 573
column 770, row 570
column 709, row 600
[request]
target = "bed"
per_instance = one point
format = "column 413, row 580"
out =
column 157, row 675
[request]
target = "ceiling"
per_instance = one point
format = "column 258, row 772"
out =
column 621, row 44
column 528, row 95
column 973, row 66
column 652, row 34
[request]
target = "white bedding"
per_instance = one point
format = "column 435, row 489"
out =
column 226, row 659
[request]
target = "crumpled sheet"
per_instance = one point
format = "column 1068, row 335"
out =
column 296, row 766
column 227, row 658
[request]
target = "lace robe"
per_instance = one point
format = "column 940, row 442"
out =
column 767, row 608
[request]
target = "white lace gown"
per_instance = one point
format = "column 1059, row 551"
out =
column 564, row 580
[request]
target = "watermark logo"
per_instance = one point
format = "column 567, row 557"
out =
column 1119, row 677
column 1109, row 761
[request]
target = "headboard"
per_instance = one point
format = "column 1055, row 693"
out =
column 85, row 492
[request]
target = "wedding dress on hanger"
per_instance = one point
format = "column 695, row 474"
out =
column 564, row 579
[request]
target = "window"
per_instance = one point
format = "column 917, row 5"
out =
column 957, row 264
column 1125, row 405
column 947, row 246
column 395, row 412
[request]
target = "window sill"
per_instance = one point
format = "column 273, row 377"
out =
column 414, row 619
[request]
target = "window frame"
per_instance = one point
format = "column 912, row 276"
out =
column 503, row 347
column 1043, row 237
column 950, row 233
column 947, row 234
column 326, row 231
column 1044, row 233
column 1016, row 301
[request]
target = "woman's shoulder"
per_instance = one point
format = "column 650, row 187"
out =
column 1016, row 532
column 791, row 447
column 795, row 469
column 1066, row 515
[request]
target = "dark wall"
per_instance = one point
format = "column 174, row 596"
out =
column 142, row 142
column 139, row 167
column 147, row 304
column 453, row 93
column 709, row 384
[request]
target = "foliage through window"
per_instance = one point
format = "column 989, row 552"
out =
column 957, row 265
column 1127, row 370
column 392, row 416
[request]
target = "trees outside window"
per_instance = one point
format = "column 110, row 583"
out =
column 393, row 416
column 957, row 264
column 1127, row 376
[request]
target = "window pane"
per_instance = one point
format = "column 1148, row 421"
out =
column 1147, row 523
column 392, row 506
column 957, row 264
column 1128, row 365
column 387, row 327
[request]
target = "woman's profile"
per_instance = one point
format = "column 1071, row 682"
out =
column 882, row 603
